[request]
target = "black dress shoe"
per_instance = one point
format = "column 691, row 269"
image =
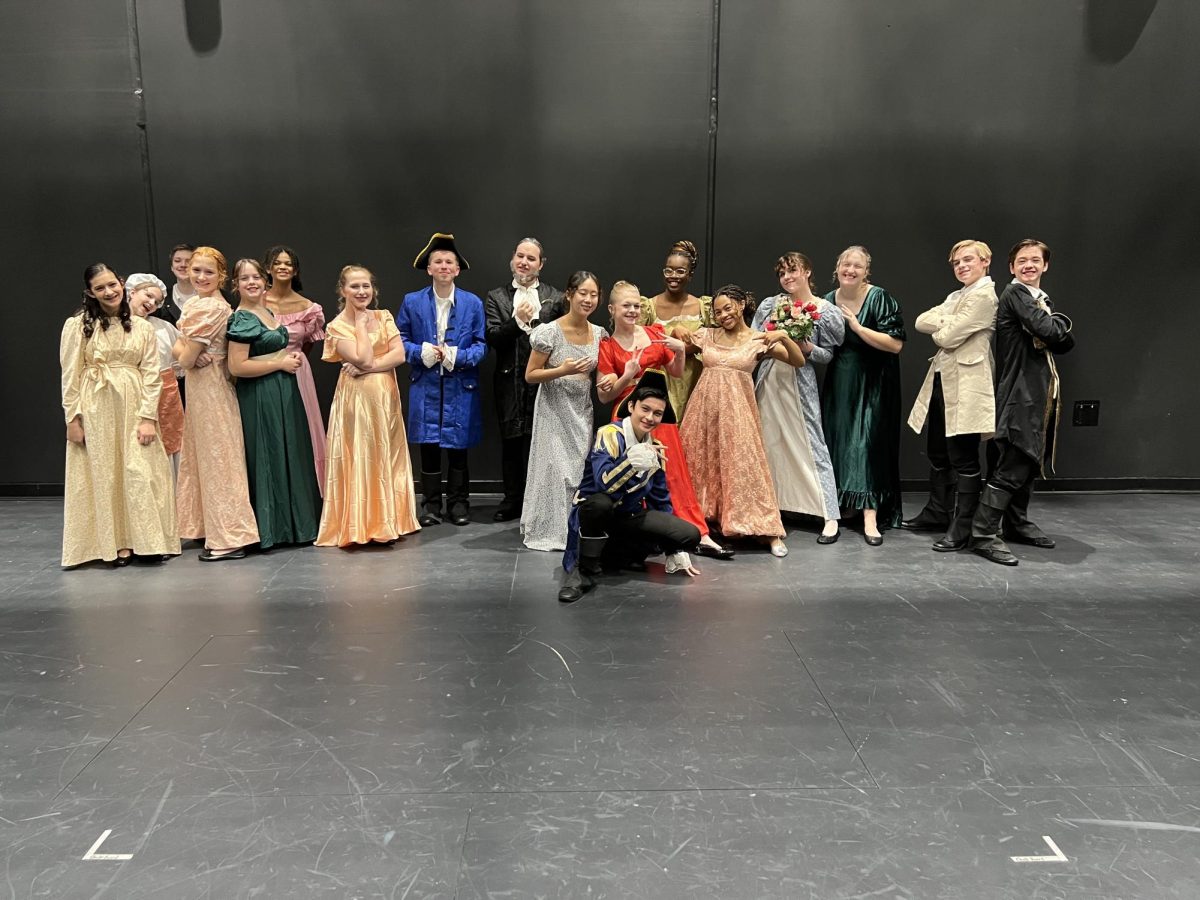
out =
column 121, row 561
column 713, row 552
column 1040, row 541
column 209, row 556
column 944, row 546
column 922, row 522
column 506, row 515
column 873, row 541
column 1003, row 557
column 829, row 538
column 460, row 518
column 570, row 593
column 429, row 519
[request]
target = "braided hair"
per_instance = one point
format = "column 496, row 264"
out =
column 93, row 312
column 687, row 250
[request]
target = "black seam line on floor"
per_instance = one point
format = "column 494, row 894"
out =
column 829, row 706
column 136, row 713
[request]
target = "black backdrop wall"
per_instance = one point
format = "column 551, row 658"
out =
column 352, row 130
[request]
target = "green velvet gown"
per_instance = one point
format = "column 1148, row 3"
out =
column 279, row 454
column 860, row 408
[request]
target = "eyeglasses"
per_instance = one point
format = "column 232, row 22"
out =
column 680, row 272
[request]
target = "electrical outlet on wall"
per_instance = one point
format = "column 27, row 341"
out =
column 1087, row 412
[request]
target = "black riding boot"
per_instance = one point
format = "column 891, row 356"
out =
column 431, row 499
column 986, row 539
column 1017, row 526
column 458, row 490
column 936, row 514
column 580, row 580
column 958, row 535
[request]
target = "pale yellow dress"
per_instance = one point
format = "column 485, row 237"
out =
column 679, row 389
column 369, row 494
column 118, row 494
column 214, row 496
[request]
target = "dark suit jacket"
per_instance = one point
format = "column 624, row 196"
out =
column 515, row 397
column 1023, row 402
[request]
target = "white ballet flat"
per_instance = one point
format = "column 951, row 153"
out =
column 779, row 550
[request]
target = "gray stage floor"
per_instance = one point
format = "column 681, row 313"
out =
column 427, row 721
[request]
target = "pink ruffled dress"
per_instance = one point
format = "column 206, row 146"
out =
column 305, row 328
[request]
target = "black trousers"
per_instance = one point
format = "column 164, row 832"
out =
column 635, row 535
column 514, row 466
column 959, row 452
column 1013, row 470
column 458, row 476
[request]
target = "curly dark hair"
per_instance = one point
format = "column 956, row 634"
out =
column 739, row 295
column 273, row 253
column 93, row 312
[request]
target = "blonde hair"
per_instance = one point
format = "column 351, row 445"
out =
column 217, row 257
column 984, row 251
column 853, row 248
column 341, row 283
column 621, row 287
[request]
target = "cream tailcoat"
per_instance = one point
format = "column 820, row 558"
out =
column 962, row 327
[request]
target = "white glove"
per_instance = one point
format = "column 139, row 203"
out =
column 429, row 355
column 677, row 562
column 643, row 458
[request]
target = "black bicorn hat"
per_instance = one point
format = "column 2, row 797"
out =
column 654, row 378
column 439, row 241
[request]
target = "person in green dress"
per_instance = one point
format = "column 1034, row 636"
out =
column 279, row 455
column 860, row 406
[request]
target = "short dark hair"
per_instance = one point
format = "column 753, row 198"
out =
column 188, row 247
column 645, row 392
column 1028, row 242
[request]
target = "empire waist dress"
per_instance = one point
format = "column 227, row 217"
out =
column 305, row 328
column 283, row 488
column 722, row 437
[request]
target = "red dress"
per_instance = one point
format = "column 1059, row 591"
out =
column 612, row 361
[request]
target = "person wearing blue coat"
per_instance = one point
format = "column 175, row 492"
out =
column 444, row 342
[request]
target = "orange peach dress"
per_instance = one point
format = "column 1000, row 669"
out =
column 213, row 494
column 369, row 494
column 722, row 437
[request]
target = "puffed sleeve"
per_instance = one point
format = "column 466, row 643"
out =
column 70, row 357
column 542, row 338
column 314, row 325
column 339, row 330
column 649, row 313
column 149, row 370
column 244, row 327
column 829, row 333
column 388, row 324
column 760, row 314
column 606, row 359
column 888, row 318
column 203, row 319
column 706, row 313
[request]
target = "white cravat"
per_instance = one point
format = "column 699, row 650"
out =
column 526, row 296
column 445, row 305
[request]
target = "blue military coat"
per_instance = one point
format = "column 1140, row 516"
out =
column 444, row 407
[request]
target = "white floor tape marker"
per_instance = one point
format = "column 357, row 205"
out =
column 1057, row 857
column 92, row 854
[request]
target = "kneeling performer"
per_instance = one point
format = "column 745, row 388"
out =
column 622, row 511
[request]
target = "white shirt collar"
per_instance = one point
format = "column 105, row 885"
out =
column 443, row 301
column 521, row 287
column 1037, row 292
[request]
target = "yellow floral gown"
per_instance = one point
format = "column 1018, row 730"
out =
column 680, row 389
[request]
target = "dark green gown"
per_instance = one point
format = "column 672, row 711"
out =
column 860, row 408
column 279, row 454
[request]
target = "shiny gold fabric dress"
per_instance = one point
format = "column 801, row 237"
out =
column 118, row 494
column 369, row 494
column 214, row 498
column 680, row 389
column 722, row 437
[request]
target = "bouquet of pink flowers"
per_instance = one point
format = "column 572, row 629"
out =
column 797, row 319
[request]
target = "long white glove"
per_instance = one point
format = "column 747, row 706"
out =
column 643, row 458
